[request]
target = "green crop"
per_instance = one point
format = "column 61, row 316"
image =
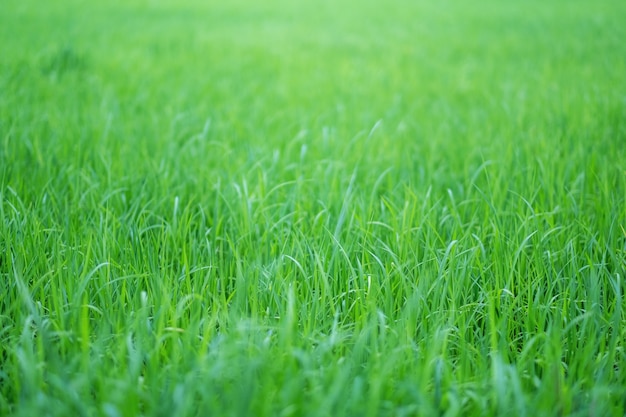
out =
column 312, row 208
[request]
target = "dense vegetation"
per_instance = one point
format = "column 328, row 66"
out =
column 303, row 208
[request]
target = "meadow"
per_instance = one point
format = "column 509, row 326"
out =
column 312, row 208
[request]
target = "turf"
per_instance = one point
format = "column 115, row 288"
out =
column 312, row 208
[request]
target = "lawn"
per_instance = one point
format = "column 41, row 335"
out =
column 312, row 208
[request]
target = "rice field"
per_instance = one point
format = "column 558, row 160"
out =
column 312, row 208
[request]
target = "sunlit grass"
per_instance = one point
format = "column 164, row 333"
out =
column 299, row 208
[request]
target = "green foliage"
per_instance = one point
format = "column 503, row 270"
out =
column 303, row 208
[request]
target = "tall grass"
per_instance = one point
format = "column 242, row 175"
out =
column 299, row 208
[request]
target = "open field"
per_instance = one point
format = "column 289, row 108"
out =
column 312, row 208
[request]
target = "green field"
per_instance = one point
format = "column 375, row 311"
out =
column 312, row 208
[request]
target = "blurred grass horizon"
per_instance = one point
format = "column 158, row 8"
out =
column 311, row 66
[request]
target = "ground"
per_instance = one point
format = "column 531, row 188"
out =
column 299, row 208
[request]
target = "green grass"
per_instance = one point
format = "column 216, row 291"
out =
column 312, row 208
